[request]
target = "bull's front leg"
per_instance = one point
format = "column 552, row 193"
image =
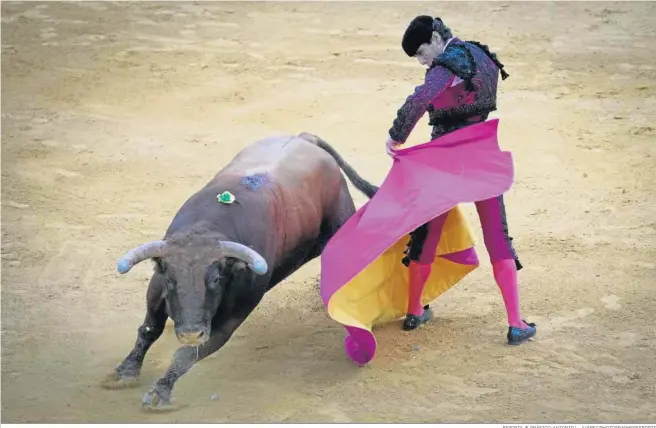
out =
column 159, row 395
column 126, row 374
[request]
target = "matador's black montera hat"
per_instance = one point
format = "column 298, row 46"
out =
column 419, row 31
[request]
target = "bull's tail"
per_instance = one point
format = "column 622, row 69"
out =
column 360, row 183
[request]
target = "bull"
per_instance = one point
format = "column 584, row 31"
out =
column 217, row 260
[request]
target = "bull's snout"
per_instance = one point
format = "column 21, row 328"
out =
column 192, row 335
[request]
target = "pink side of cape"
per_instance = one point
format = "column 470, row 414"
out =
column 425, row 181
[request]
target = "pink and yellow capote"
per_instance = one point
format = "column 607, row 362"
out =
column 363, row 282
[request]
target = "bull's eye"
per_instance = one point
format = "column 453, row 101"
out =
column 169, row 283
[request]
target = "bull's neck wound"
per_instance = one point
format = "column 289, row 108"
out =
column 255, row 181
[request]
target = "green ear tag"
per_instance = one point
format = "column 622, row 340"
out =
column 226, row 198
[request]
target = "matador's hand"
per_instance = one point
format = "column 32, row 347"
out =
column 391, row 146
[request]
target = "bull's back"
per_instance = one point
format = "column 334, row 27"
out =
column 282, row 158
column 302, row 182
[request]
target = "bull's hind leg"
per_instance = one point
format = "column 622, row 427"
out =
column 342, row 212
column 126, row 375
column 308, row 251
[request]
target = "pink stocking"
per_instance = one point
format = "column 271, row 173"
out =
column 419, row 274
column 505, row 273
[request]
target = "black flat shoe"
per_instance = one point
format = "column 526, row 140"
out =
column 517, row 336
column 413, row 321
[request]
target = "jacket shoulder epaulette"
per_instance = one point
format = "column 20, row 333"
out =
column 458, row 60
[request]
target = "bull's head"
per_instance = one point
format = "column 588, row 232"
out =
column 195, row 276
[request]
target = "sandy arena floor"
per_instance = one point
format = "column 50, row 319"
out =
column 113, row 114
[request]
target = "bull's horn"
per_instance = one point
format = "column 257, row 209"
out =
column 255, row 261
column 139, row 254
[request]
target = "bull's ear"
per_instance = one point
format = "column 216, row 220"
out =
column 159, row 265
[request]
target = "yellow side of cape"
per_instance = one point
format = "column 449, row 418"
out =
column 379, row 293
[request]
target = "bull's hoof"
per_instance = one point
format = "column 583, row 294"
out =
column 156, row 400
column 117, row 381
